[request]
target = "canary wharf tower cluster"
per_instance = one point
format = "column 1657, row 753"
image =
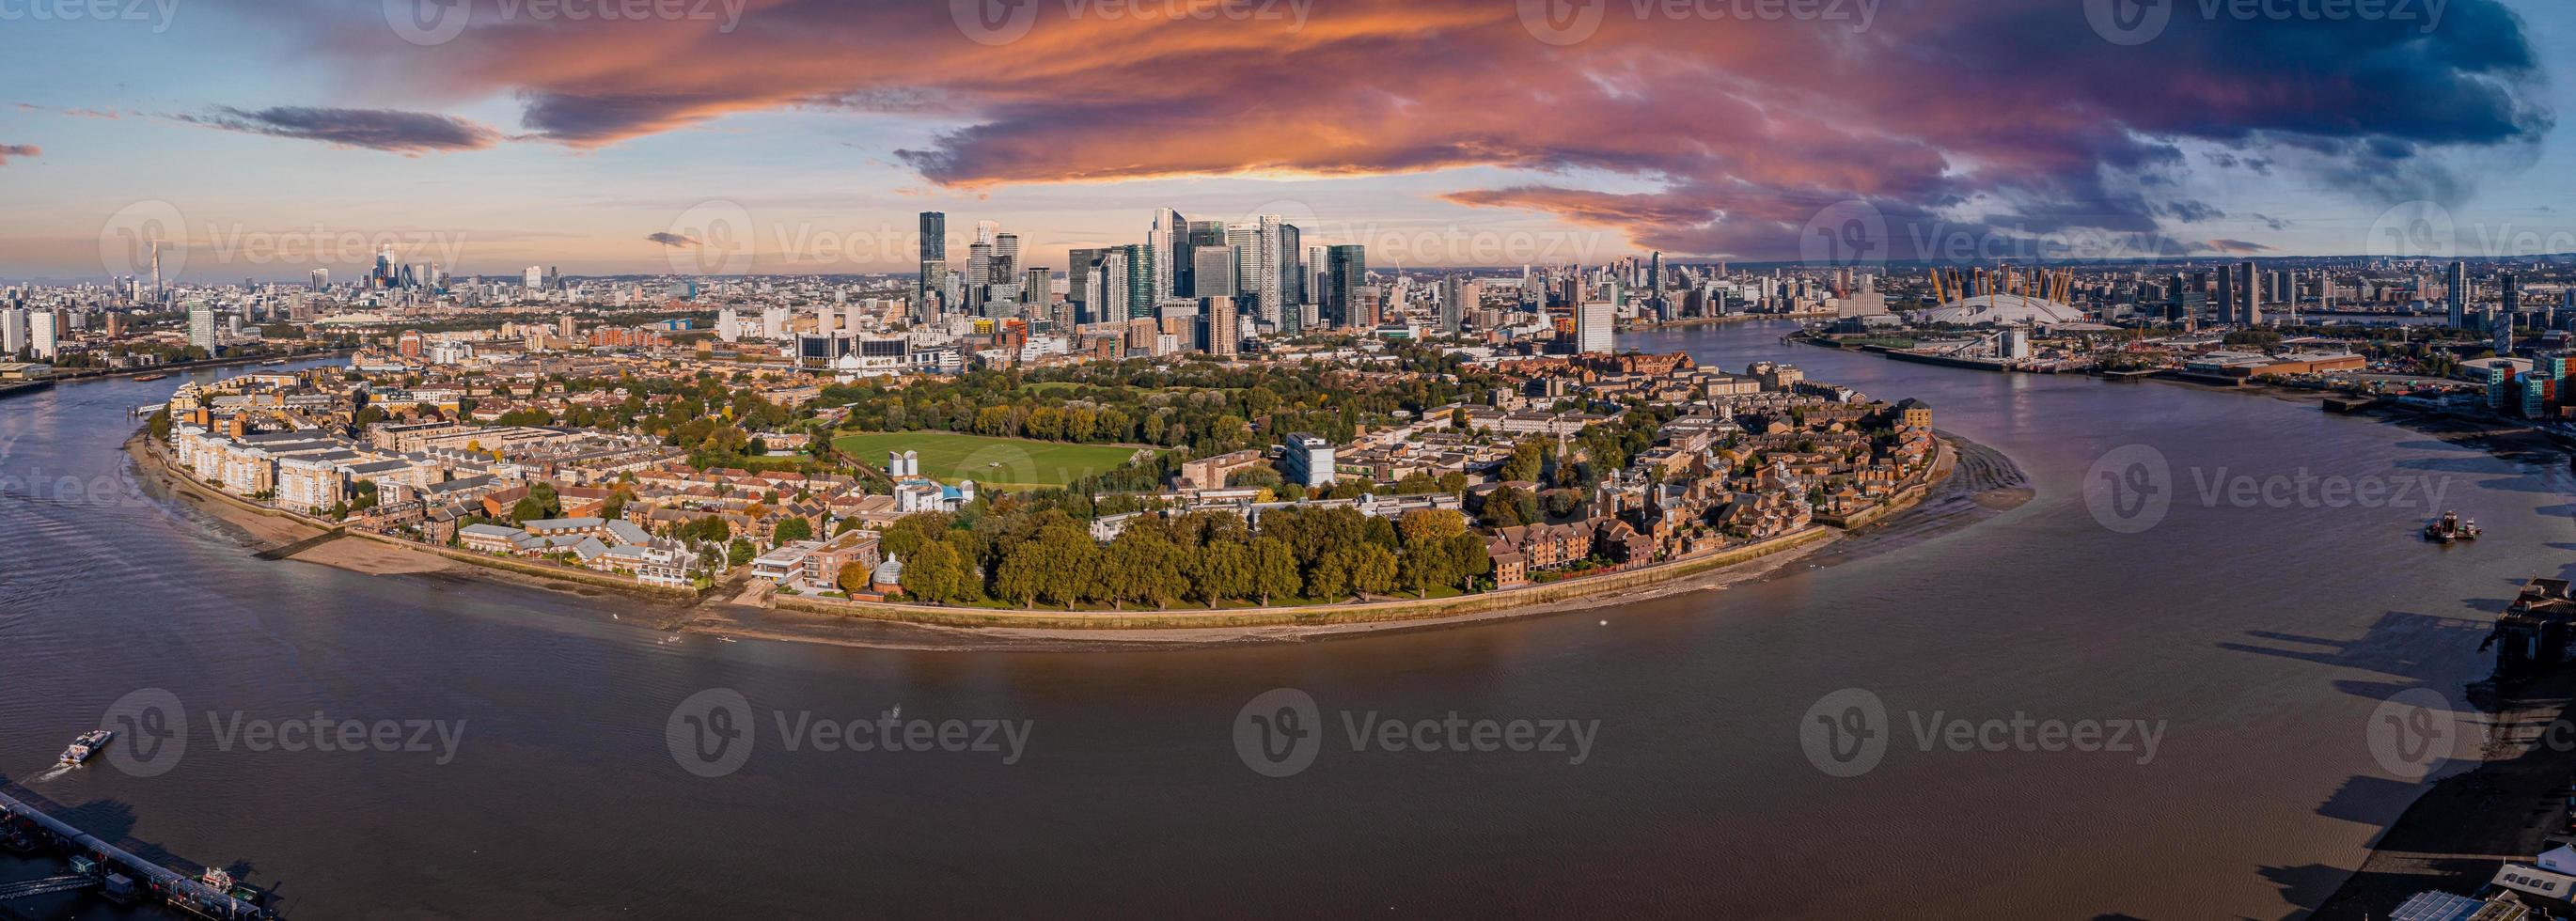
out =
column 1257, row 269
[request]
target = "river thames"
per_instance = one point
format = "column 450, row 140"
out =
column 2237, row 635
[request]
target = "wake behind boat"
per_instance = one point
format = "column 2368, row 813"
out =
column 89, row 744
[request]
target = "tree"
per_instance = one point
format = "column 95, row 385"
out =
column 791, row 530
column 938, row 573
column 527, row 509
column 1528, row 461
column 1330, row 578
column 1373, row 569
column 1468, row 559
column 1223, row 570
column 1273, row 569
column 1023, row 575
column 854, row 577
column 739, row 552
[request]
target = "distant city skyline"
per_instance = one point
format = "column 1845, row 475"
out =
column 1434, row 134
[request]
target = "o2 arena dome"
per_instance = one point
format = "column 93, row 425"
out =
column 2003, row 310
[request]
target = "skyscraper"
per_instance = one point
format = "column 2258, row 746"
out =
column 2509, row 303
column 1168, row 238
column 1140, row 280
column 1212, row 272
column 1345, row 272
column 2456, row 294
column 2249, row 292
column 1034, row 291
column 1592, row 329
column 1201, row 237
column 1270, row 264
column 1218, row 317
column 934, row 262
column 1082, row 284
column 1453, row 303
column 44, row 338
column 1006, row 258
column 13, row 332
column 201, row 327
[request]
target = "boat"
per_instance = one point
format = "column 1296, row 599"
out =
column 272, row 362
column 86, row 746
column 148, row 378
column 2450, row 528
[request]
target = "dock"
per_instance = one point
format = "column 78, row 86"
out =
column 103, row 860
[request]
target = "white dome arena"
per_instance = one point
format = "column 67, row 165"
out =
column 2003, row 310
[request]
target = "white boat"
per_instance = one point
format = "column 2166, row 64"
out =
column 89, row 744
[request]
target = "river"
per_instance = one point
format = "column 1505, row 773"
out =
column 2254, row 637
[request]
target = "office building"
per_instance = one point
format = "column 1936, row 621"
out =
column 2455, row 294
column 1593, row 329
column 934, row 262
column 1307, row 461
column 1345, row 273
column 201, row 327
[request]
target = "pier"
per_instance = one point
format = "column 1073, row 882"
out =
column 102, row 864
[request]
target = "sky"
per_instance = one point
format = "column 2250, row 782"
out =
column 266, row 138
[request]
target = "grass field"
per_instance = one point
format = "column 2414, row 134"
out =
column 1001, row 463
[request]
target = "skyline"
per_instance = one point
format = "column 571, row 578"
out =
column 532, row 138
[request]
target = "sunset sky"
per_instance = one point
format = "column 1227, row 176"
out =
column 1438, row 132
